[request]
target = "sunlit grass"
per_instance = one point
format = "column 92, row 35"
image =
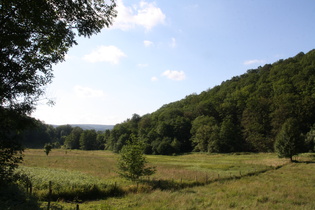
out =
column 200, row 166
column 101, row 164
column 190, row 167
column 290, row 187
column 234, row 180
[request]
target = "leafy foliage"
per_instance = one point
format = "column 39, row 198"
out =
column 288, row 141
column 132, row 163
column 36, row 34
column 48, row 147
column 88, row 140
column 72, row 141
column 10, row 147
column 245, row 113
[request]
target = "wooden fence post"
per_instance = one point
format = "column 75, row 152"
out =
column 49, row 196
column 31, row 188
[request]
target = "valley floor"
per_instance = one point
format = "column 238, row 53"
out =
column 222, row 181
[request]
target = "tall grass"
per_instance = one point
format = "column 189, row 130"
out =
column 289, row 187
column 67, row 185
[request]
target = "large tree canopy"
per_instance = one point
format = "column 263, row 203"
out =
column 35, row 34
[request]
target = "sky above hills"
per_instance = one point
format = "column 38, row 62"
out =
column 160, row 51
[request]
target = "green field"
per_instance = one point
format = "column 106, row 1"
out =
column 191, row 181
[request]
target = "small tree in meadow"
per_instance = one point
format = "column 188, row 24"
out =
column 48, row 148
column 132, row 162
column 288, row 141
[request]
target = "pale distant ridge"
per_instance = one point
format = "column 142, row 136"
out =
column 97, row 127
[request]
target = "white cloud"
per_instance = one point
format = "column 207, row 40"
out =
column 110, row 54
column 173, row 43
column 153, row 79
column 147, row 43
column 174, row 75
column 255, row 61
column 86, row 92
column 143, row 14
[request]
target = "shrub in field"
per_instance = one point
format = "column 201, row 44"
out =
column 48, row 148
column 132, row 163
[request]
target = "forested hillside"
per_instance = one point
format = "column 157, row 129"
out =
column 244, row 113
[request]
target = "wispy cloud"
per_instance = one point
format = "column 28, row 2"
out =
column 254, row 61
column 86, row 92
column 110, row 54
column 174, row 75
column 147, row 43
column 153, row 79
column 143, row 14
column 173, row 43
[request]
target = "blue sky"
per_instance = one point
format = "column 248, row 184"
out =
column 160, row 51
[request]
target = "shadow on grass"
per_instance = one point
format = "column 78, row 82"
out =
column 13, row 197
column 79, row 195
column 173, row 186
column 303, row 161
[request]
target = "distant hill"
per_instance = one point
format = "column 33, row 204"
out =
column 96, row 127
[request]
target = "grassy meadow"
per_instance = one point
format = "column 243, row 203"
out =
column 190, row 181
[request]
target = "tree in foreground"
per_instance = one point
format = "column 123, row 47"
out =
column 35, row 34
column 288, row 141
column 132, row 162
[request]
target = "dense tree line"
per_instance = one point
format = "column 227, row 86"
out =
column 245, row 113
column 65, row 136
